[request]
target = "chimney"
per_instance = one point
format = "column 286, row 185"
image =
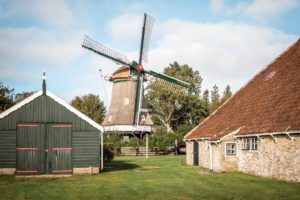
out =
column 44, row 82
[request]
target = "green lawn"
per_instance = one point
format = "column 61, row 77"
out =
column 163, row 177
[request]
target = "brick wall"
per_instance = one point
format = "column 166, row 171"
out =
column 280, row 160
column 189, row 153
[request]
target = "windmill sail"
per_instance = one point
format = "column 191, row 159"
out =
column 167, row 78
column 146, row 34
column 97, row 48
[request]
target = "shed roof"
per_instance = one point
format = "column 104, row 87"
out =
column 269, row 102
column 58, row 100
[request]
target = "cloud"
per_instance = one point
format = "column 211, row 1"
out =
column 265, row 9
column 223, row 53
column 37, row 44
column 126, row 29
column 258, row 10
column 217, row 5
column 54, row 13
column 43, row 34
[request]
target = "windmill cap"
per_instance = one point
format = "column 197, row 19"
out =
column 121, row 73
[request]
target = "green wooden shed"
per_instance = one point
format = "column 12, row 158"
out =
column 44, row 135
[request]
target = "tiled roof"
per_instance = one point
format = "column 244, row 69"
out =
column 270, row 102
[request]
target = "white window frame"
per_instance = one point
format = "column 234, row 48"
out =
column 250, row 143
column 236, row 149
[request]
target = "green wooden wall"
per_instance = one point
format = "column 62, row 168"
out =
column 85, row 138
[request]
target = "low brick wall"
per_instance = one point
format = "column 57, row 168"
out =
column 86, row 170
column 8, row 171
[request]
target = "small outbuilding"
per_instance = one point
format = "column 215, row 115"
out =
column 44, row 135
column 257, row 130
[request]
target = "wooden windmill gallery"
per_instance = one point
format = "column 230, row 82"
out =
column 128, row 113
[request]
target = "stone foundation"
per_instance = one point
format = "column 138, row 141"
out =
column 86, row 170
column 9, row 171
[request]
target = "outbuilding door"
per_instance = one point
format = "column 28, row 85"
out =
column 196, row 152
column 44, row 148
column 59, row 143
column 30, row 145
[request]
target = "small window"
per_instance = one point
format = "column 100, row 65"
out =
column 126, row 101
column 253, row 143
column 230, row 149
column 109, row 118
column 270, row 75
column 246, row 143
column 143, row 118
column 250, row 143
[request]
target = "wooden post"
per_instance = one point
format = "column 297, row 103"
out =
column 175, row 149
column 147, row 146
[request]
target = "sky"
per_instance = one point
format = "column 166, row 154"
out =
column 228, row 42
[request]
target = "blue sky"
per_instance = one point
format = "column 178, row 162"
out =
column 226, row 41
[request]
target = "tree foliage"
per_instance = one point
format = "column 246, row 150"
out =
column 215, row 99
column 226, row 94
column 205, row 104
column 6, row 97
column 90, row 105
column 171, row 107
column 21, row 96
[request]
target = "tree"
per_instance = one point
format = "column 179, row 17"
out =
column 205, row 104
column 6, row 97
column 90, row 105
column 215, row 99
column 226, row 94
column 171, row 107
column 21, row 96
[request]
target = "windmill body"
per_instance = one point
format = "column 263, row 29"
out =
column 128, row 112
column 121, row 113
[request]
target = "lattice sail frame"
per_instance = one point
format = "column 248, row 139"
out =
column 149, row 21
column 161, row 83
column 90, row 44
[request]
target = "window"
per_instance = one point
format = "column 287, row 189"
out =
column 253, row 143
column 250, row 143
column 230, row 149
column 109, row 118
column 126, row 101
column 143, row 118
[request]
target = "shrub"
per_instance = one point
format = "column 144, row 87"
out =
column 108, row 152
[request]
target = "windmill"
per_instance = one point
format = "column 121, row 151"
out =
column 128, row 112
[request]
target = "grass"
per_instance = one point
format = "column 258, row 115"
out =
column 162, row 177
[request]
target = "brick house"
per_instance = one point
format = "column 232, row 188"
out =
column 257, row 130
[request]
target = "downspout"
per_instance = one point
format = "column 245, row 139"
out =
column 210, row 156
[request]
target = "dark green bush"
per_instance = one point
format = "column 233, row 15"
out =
column 108, row 152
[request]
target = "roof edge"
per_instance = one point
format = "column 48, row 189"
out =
column 20, row 104
column 75, row 111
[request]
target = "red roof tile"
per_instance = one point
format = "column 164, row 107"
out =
column 270, row 102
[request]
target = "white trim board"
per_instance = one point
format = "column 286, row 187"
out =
column 58, row 100
column 128, row 128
